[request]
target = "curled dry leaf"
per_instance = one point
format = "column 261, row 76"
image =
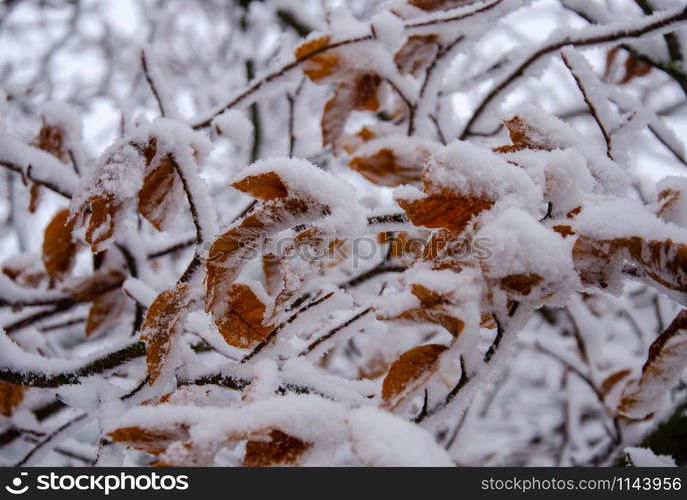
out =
column 59, row 250
column 409, row 372
column 242, row 323
column 612, row 381
column 164, row 320
column 524, row 135
column 665, row 363
column 280, row 449
column 10, row 396
column 51, row 139
column 161, row 188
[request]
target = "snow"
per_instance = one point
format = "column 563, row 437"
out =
column 305, row 180
column 381, row 439
column 234, row 125
column 644, row 457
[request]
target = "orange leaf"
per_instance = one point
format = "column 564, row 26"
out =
column 281, row 449
column 266, row 186
column 524, row 136
column 665, row 364
column 384, row 168
column 10, row 396
column 59, row 251
column 444, row 209
column 319, row 63
column 164, row 320
column 241, row 325
column 613, row 380
column 101, row 225
column 161, row 185
column 409, row 371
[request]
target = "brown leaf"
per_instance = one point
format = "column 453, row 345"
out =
column 59, row 251
column 89, row 288
column 665, row 364
column 444, row 209
column 319, row 62
column 10, row 397
column 161, row 186
column 242, row 323
column 265, row 186
column 524, row 135
column 51, row 138
column 105, row 311
column 35, row 193
column 634, row 67
column 417, row 53
column 410, row 371
column 101, row 224
column 521, row 284
column 386, row 168
column 357, row 93
column 153, row 441
column 164, row 320
column 281, row 449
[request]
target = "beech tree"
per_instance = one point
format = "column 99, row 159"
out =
column 414, row 232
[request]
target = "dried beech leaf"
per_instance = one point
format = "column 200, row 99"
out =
column 417, row 53
column 319, row 62
column 51, row 138
column 59, row 251
column 242, row 323
column 385, row 168
column 521, row 284
column 105, row 311
column 161, row 186
column 35, row 193
column 164, row 320
column 634, row 67
column 89, row 288
column 10, row 396
column 444, row 209
column 266, row 186
column 667, row 199
column 665, row 364
column 410, row 371
column 524, row 136
column 358, row 93
column 101, row 224
column 281, row 449
column 153, row 441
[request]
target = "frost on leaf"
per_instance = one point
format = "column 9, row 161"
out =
column 59, row 250
column 278, row 450
column 524, row 135
column 665, row 363
column 444, row 209
column 163, row 322
column 265, row 186
column 10, row 396
column 409, row 371
column 160, row 185
column 242, row 323
column 52, row 138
